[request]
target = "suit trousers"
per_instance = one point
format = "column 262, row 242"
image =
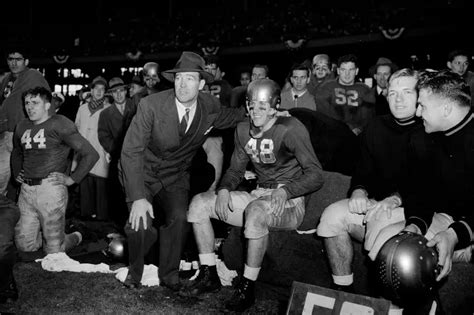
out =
column 169, row 208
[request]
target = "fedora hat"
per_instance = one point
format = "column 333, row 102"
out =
column 189, row 62
column 116, row 83
column 382, row 61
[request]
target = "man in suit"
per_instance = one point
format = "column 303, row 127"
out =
column 381, row 71
column 165, row 134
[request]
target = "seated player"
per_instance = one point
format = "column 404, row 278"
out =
column 41, row 146
column 287, row 168
column 377, row 181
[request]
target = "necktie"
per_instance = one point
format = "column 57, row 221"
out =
column 184, row 123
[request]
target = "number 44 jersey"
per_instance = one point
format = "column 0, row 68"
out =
column 282, row 155
column 45, row 147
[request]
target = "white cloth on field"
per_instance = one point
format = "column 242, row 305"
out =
column 149, row 277
column 62, row 262
column 225, row 275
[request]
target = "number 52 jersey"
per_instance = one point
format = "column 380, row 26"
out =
column 44, row 148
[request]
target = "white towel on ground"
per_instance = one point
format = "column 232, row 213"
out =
column 62, row 262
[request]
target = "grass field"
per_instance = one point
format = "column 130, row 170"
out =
column 43, row 292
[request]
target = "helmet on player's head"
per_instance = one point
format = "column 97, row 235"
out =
column 407, row 269
column 151, row 69
column 264, row 90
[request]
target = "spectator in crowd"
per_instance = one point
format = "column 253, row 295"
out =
column 321, row 72
column 259, row 71
column 345, row 99
column 245, row 78
column 93, row 189
column 458, row 62
column 40, row 163
column 377, row 182
column 381, row 71
column 13, row 85
column 287, row 169
column 298, row 95
column 220, row 88
column 166, row 132
column 9, row 216
column 136, row 86
column 113, row 124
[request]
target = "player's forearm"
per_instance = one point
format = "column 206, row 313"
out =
column 311, row 181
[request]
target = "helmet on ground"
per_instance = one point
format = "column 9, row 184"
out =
column 117, row 248
column 407, row 268
column 264, row 90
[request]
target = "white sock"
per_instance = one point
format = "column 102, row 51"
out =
column 251, row 273
column 343, row 280
column 207, row 259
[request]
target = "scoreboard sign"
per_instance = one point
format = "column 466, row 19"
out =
column 310, row 299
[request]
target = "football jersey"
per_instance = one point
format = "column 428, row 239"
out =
column 352, row 104
column 282, row 155
column 45, row 147
column 220, row 89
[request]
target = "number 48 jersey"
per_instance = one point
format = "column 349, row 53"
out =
column 45, row 147
column 282, row 155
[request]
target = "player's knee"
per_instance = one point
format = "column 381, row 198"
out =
column 256, row 223
column 200, row 206
column 332, row 222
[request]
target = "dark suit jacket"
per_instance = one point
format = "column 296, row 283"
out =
column 154, row 156
column 381, row 104
column 113, row 126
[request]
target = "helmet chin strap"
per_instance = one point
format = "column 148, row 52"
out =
column 257, row 132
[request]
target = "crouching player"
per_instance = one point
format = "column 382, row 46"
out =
column 41, row 146
column 284, row 160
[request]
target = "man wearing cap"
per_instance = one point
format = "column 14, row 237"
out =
column 321, row 73
column 166, row 132
column 113, row 124
column 381, row 71
column 20, row 79
column 93, row 192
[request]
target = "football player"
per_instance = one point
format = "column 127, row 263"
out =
column 40, row 163
column 345, row 99
column 284, row 160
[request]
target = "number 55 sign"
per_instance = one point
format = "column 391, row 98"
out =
column 310, row 299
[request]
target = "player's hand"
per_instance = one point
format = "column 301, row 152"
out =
column 445, row 241
column 223, row 204
column 358, row 202
column 20, row 177
column 283, row 113
column 277, row 204
column 383, row 207
column 139, row 210
column 57, row 178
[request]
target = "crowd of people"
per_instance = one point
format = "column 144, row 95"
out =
column 130, row 146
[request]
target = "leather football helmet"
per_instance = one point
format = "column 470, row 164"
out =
column 407, row 269
column 264, row 90
column 117, row 248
